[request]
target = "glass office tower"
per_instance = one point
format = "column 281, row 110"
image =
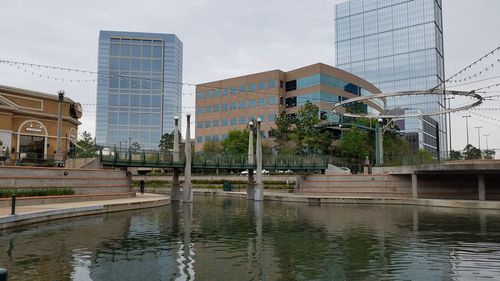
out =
column 139, row 89
column 398, row 46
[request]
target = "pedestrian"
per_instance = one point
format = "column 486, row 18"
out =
column 141, row 186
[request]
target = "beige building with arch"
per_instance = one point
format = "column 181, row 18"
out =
column 28, row 124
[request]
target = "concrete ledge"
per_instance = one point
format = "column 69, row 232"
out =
column 61, row 211
column 27, row 201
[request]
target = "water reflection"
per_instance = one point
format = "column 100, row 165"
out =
column 236, row 239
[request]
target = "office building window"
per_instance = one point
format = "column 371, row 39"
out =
column 251, row 103
column 262, row 85
column 242, row 121
column 216, row 93
column 271, row 84
column 224, row 136
column 216, row 138
column 199, row 125
column 291, row 85
column 251, row 87
column 216, row 108
column 234, row 105
column 208, row 109
column 224, row 122
column 243, row 104
column 207, row 138
column 207, row 94
column 216, row 123
column 199, row 96
column 224, row 92
column 199, row 110
column 199, row 139
column 271, row 100
column 234, row 121
column 272, row 117
column 262, row 102
column 207, row 124
column 224, row 107
column 243, row 88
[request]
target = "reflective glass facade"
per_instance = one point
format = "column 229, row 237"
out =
column 140, row 87
column 398, row 46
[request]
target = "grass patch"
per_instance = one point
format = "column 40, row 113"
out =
column 7, row 193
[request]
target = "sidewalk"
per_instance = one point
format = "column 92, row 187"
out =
column 38, row 213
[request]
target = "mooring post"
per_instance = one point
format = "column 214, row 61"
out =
column 13, row 205
column 259, row 187
column 3, row 274
column 175, row 194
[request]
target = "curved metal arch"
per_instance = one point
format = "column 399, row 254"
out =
column 472, row 94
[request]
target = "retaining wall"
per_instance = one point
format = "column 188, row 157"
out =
column 82, row 181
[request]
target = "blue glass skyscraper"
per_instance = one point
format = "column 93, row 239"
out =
column 139, row 89
column 398, row 46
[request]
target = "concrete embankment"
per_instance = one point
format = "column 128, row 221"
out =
column 315, row 199
column 46, row 212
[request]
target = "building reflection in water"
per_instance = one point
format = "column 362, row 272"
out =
column 233, row 239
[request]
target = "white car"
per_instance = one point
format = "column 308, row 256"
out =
column 264, row 171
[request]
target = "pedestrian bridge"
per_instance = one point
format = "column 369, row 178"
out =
column 158, row 159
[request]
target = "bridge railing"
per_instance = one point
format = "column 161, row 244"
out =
column 295, row 161
column 130, row 157
column 220, row 160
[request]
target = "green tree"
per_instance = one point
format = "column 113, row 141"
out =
column 167, row 141
column 135, row 146
column 281, row 134
column 455, row 155
column 86, row 141
column 236, row 142
column 471, row 152
column 213, row 147
column 488, row 154
column 355, row 144
column 307, row 132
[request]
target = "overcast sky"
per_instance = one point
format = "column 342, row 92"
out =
column 221, row 39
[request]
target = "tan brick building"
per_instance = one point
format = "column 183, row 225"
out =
column 230, row 104
column 28, row 123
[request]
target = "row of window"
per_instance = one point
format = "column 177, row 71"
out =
column 134, row 100
column 236, row 105
column 242, row 120
column 127, row 50
column 134, row 119
column 252, row 87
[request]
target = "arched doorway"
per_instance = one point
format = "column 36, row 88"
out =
column 32, row 141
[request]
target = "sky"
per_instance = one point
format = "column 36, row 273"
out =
column 223, row 39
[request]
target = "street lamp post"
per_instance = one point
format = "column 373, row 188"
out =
column 449, row 118
column 479, row 135
column 379, row 142
column 467, row 127
column 486, row 136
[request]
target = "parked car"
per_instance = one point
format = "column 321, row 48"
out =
column 264, row 171
column 347, row 170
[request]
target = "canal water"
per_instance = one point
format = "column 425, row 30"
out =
column 234, row 239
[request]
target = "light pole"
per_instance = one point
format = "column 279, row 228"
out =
column 467, row 127
column 479, row 135
column 449, row 118
column 379, row 143
column 486, row 136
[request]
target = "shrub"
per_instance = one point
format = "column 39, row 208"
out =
column 6, row 193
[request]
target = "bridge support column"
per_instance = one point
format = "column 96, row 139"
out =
column 414, row 186
column 175, row 194
column 259, row 187
column 187, row 190
column 251, row 180
column 481, row 187
column 250, row 185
